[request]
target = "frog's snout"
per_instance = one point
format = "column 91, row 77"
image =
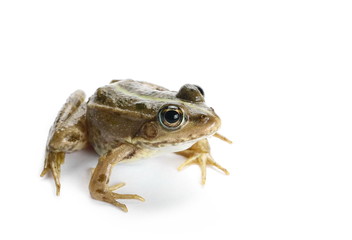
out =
column 203, row 119
column 209, row 122
column 215, row 123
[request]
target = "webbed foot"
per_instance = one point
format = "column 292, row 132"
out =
column 107, row 195
column 199, row 154
column 53, row 162
column 202, row 159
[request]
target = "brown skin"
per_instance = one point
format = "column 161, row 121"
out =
column 125, row 120
column 67, row 134
column 98, row 186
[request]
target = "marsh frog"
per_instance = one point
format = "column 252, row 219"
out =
column 128, row 120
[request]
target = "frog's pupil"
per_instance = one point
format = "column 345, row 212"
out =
column 200, row 90
column 172, row 116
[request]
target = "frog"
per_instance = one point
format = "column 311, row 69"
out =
column 127, row 120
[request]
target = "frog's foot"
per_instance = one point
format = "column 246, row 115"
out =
column 202, row 159
column 109, row 196
column 199, row 153
column 53, row 162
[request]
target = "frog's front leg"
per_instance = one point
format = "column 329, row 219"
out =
column 98, row 186
column 199, row 153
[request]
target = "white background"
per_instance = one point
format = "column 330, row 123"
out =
column 277, row 72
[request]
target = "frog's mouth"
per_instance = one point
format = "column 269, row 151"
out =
column 177, row 142
column 180, row 145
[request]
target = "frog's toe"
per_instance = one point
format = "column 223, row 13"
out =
column 44, row 172
column 111, row 197
column 116, row 186
column 189, row 161
column 202, row 160
column 221, row 137
column 120, row 205
column 215, row 164
column 53, row 162
column 128, row 196
column 124, row 196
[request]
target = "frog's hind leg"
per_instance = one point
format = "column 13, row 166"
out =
column 67, row 134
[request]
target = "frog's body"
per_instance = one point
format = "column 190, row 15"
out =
column 128, row 120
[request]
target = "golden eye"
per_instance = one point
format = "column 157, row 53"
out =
column 171, row 117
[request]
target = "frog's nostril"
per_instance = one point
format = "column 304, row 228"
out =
column 204, row 118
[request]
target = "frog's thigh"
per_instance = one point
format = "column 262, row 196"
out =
column 98, row 186
column 67, row 134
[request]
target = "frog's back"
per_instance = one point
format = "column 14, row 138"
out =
column 132, row 97
column 116, row 112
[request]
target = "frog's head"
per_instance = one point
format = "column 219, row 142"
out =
column 180, row 121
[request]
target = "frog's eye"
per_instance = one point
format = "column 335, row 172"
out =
column 200, row 90
column 171, row 117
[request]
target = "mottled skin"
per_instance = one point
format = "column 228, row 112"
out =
column 128, row 120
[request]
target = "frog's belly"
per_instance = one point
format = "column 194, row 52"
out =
column 167, row 148
column 176, row 148
column 153, row 151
